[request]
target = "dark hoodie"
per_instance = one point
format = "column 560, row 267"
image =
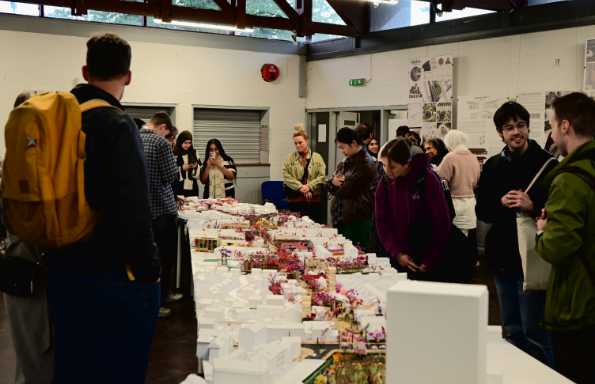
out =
column 412, row 214
column 116, row 187
column 501, row 174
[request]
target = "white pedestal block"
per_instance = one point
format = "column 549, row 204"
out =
column 437, row 333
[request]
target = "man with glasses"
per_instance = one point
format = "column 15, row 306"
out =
column 500, row 196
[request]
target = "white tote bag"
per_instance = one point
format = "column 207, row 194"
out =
column 536, row 271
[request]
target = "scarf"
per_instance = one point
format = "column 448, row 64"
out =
column 216, row 183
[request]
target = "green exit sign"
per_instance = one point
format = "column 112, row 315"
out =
column 357, row 82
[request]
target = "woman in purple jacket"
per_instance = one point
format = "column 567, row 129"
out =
column 412, row 215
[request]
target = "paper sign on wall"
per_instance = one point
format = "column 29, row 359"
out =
column 430, row 95
column 533, row 102
column 475, row 117
column 589, row 74
column 322, row 133
column 394, row 124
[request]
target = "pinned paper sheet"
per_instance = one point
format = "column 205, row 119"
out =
column 322, row 133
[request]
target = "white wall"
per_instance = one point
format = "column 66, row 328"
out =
column 492, row 67
column 162, row 73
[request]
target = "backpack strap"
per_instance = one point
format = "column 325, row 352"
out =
column 93, row 104
column 590, row 181
column 420, row 184
column 85, row 107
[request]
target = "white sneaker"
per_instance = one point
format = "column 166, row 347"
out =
column 164, row 312
column 174, row 297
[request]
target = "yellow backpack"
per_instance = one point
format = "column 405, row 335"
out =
column 43, row 187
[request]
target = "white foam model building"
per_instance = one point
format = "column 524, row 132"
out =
column 260, row 365
column 437, row 333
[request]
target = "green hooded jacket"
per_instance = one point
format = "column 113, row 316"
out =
column 569, row 234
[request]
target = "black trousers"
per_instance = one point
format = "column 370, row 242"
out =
column 311, row 209
column 165, row 231
column 574, row 354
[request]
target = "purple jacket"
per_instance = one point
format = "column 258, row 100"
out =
column 410, row 221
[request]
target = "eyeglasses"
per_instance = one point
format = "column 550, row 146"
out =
column 520, row 125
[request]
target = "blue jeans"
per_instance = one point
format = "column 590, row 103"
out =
column 103, row 327
column 521, row 314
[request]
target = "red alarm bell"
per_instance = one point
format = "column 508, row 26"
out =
column 270, row 72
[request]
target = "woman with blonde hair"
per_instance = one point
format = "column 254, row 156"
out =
column 460, row 168
column 303, row 176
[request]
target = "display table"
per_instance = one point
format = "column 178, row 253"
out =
column 515, row 366
column 504, row 359
column 505, row 363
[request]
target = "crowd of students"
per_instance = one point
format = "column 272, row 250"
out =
column 94, row 317
column 422, row 209
column 418, row 208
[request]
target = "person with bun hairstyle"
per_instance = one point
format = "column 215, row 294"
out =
column 303, row 177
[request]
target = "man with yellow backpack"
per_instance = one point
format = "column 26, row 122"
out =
column 74, row 185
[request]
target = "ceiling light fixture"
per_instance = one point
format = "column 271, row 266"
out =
column 378, row 2
column 217, row 27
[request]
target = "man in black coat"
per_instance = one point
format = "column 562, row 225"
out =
column 500, row 196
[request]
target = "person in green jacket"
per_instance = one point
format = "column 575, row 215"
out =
column 566, row 238
column 304, row 175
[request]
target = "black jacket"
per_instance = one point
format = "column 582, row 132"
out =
column 501, row 174
column 354, row 200
column 116, row 187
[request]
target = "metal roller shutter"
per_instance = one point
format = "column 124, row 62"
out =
column 242, row 133
column 146, row 112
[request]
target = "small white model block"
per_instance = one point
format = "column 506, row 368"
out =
column 221, row 346
column 276, row 356
column 252, row 336
column 214, row 313
column 314, row 330
column 297, row 330
column 254, row 302
column 320, row 313
column 294, row 347
column 277, row 331
column 275, row 300
column 234, row 371
column 205, row 323
column 437, row 333
column 291, row 312
column 268, row 312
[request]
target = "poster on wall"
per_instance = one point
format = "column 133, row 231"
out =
column 549, row 100
column 475, row 117
column 533, row 102
column 430, row 95
column 415, row 114
column 398, row 118
column 589, row 74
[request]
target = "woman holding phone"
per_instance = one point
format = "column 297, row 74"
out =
column 188, row 164
column 218, row 172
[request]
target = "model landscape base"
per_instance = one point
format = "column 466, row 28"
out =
column 273, row 291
